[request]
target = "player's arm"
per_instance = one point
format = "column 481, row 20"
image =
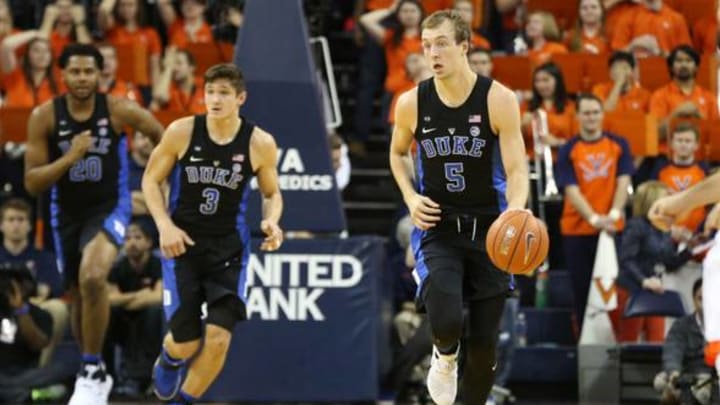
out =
column 263, row 157
column 39, row 173
column 161, row 163
column 505, row 118
column 140, row 119
column 423, row 211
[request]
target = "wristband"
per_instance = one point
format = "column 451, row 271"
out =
column 614, row 214
column 22, row 310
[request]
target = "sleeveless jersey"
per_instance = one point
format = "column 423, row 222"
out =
column 98, row 181
column 209, row 189
column 458, row 156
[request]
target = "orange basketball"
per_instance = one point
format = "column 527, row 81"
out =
column 517, row 242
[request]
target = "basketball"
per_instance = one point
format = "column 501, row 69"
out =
column 517, row 242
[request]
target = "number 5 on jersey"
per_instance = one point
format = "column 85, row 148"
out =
column 453, row 174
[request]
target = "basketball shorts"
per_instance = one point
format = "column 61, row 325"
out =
column 211, row 270
column 71, row 235
column 452, row 254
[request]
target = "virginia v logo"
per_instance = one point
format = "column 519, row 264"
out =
column 681, row 182
column 596, row 165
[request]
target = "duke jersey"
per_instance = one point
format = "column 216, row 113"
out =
column 209, row 189
column 458, row 160
column 98, row 181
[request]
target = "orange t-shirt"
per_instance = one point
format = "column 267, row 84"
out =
column 539, row 56
column 19, row 93
column 595, row 45
column 120, row 35
column 188, row 103
column 667, row 26
column 636, row 99
column 594, row 167
column 615, row 15
column 705, row 32
column 561, row 125
column 479, row 41
column 125, row 89
column 178, row 36
column 396, row 78
column 58, row 42
column 377, row 4
column 678, row 178
column 665, row 99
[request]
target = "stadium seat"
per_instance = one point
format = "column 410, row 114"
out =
column 134, row 63
column 595, row 69
column 707, row 72
column 513, row 71
column 166, row 117
column 692, row 10
column 13, row 124
column 571, row 65
column 711, row 135
column 206, row 55
column 640, row 130
column 565, row 11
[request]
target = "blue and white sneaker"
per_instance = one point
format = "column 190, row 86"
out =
column 167, row 377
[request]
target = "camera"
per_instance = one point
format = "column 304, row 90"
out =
column 21, row 274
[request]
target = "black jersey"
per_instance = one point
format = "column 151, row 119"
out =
column 209, row 189
column 458, row 159
column 98, row 181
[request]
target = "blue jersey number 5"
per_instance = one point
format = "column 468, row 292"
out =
column 453, row 174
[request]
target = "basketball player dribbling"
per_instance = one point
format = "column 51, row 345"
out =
column 471, row 167
column 204, row 238
column 667, row 211
column 76, row 146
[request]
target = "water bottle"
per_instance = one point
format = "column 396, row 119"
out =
column 521, row 329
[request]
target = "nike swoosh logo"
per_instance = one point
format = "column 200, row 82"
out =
column 196, row 159
column 428, row 130
column 65, row 132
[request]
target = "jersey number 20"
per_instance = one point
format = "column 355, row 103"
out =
column 88, row 169
column 453, row 174
column 212, row 197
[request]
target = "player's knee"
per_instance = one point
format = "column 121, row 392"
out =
column 183, row 350
column 217, row 339
column 93, row 282
column 447, row 329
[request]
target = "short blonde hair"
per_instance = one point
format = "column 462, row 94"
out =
column 462, row 29
column 551, row 31
column 646, row 195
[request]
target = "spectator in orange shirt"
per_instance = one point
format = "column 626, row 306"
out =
column 594, row 169
column 623, row 92
column 550, row 95
column 398, row 42
column 543, row 35
column 682, row 97
column 178, row 89
column 109, row 83
column 466, row 11
column 588, row 36
column 705, row 33
column 681, row 171
column 615, row 11
column 65, row 23
column 480, row 61
column 417, row 69
column 653, row 29
column 31, row 81
column 123, row 22
column 191, row 28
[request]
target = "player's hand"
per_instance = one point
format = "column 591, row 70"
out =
column 274, row 237
column 666, row 211
column 712, row 222
column 423, row 211
column 78, row 14
column 173, row 241
column 14, row 295
column 653, row 284
column 80, row 145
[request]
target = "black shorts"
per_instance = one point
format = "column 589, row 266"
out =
column 70, row 236
column 212, row 269
column 453, row 255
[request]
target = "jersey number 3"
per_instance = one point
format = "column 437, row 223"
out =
column 454, row 176
column 212, row 197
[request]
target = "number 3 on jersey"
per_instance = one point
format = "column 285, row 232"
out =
column 453, row 174
column 212, row 197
